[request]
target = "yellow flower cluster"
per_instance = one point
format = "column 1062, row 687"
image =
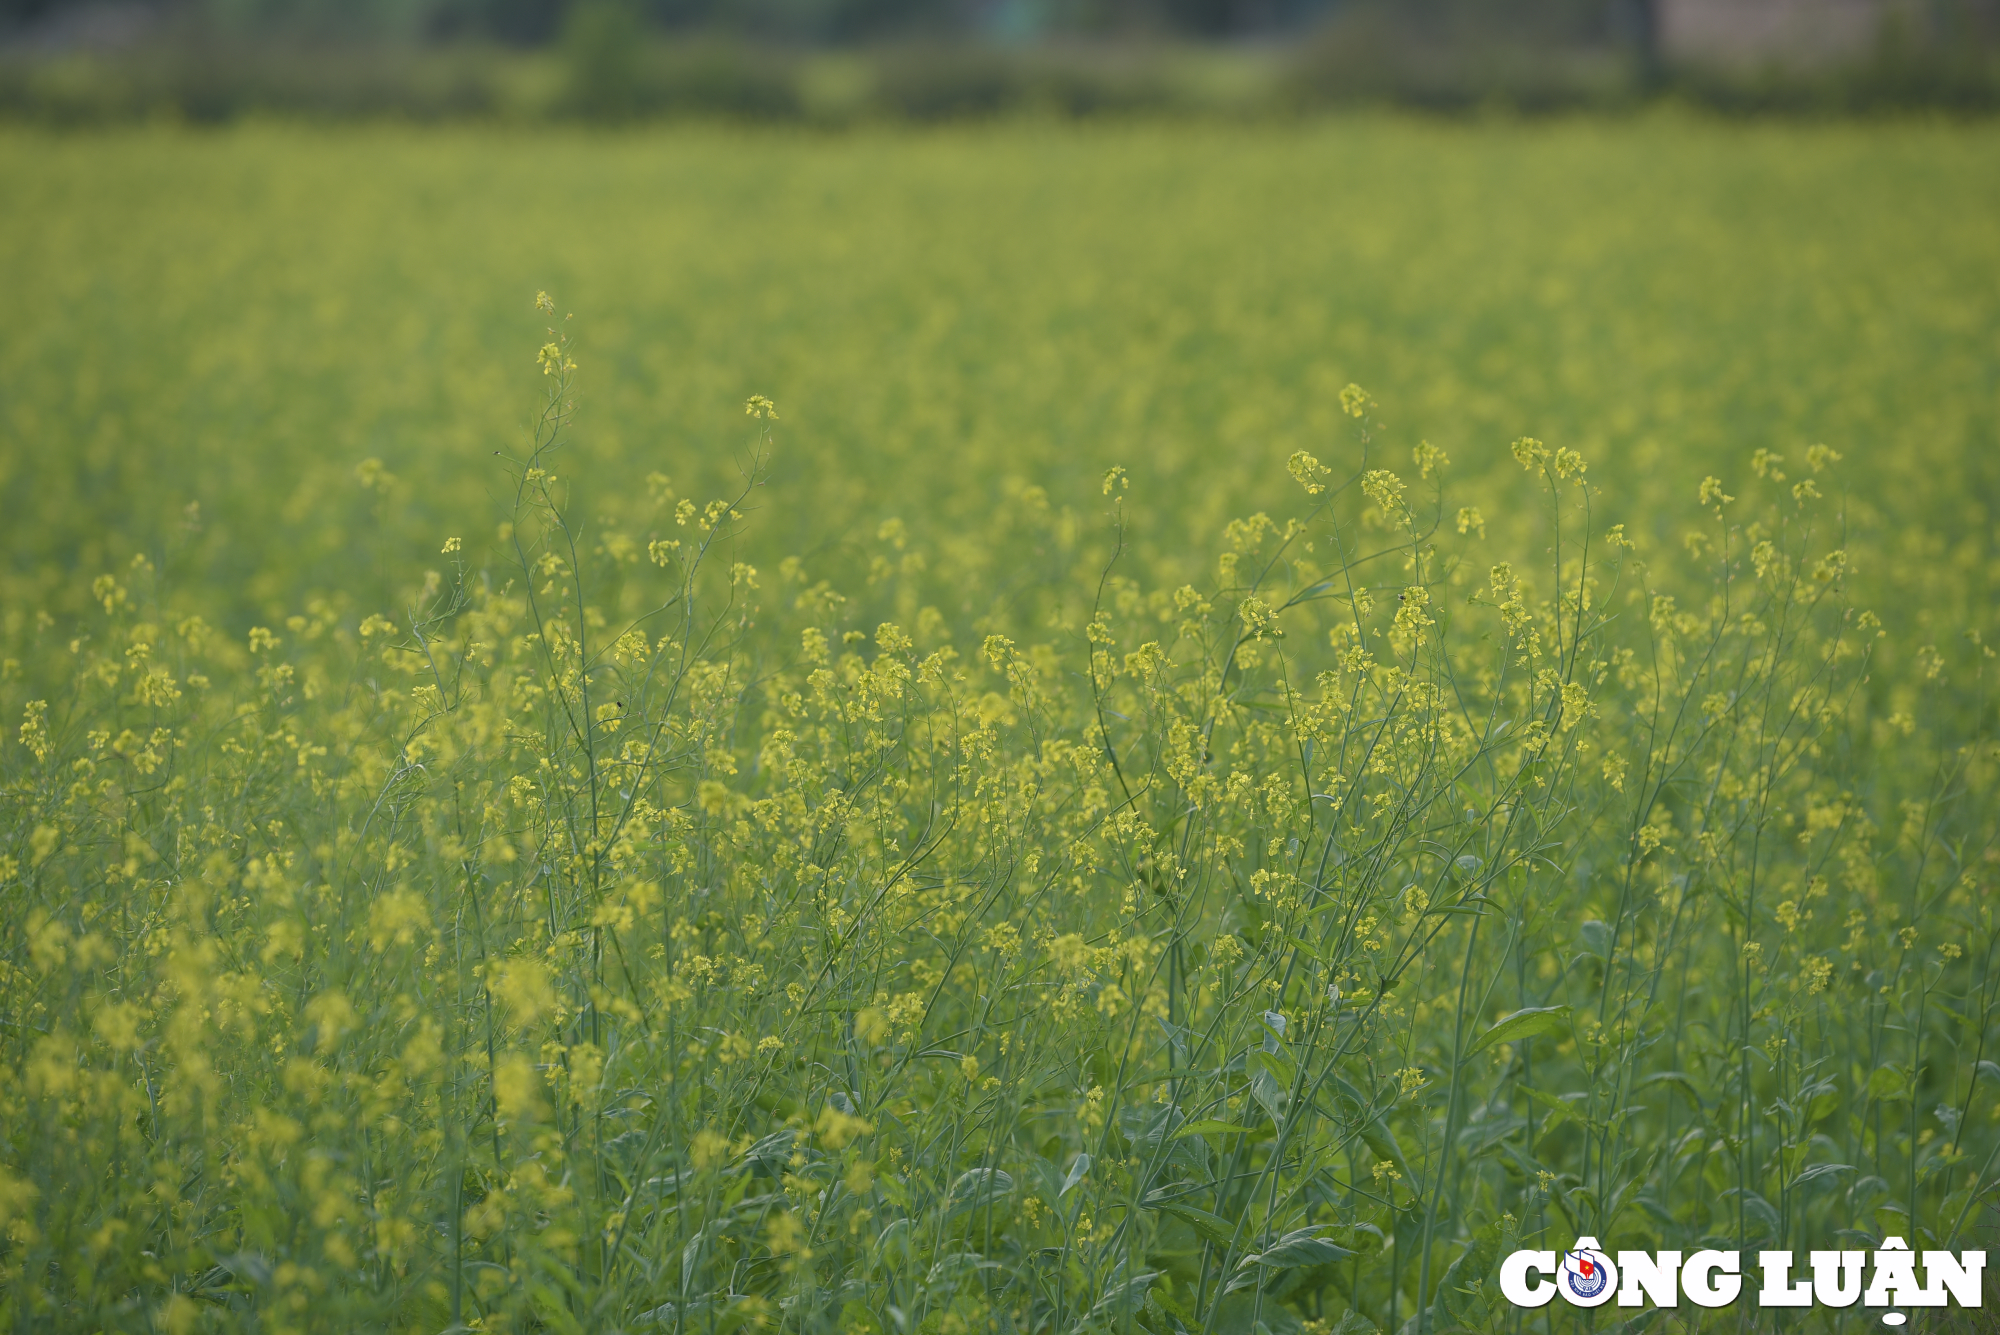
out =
column 592, row 940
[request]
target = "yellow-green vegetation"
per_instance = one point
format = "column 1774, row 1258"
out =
column 1077, row 817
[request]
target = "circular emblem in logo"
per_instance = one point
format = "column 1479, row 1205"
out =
column 1588, row 1277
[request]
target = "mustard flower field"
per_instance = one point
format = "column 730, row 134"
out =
column 1018, row 728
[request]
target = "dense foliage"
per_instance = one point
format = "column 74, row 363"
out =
column 837, row 20
column 1254, row 887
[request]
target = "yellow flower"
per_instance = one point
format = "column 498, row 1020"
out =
column 333, row 1016
column 35, row 728
column 523, row 987
column 1307, row 472
column 517, row 1088
column 786, row 1234
column 1412, row 614
column 397, row 918
column 871, row 1024
column 708, row 1149
column 118, row 1025
column 836, row 1129
column 1070, row 952
column 1384, row 488
column 371, row 474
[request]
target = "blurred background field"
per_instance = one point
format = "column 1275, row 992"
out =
column 235, row 321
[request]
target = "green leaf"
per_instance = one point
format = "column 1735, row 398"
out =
column 1564, row 1107
column 1213, row 1227
column 1269, row 1093
column 1888, row 1083
column 1676, row 1078
column 1156, row 1131
column 1209, row 1126
column 858, row 1319
column 1815, row 1171
column 1533, row 1022
column 1124, row 1295
column 1460, row 1291
column 1375, row 1133
column 1471, row 908
column 1755, row 1206
column 1638, row 1323
column 974, row 1188
column 1480, row 1137
column 1299, row 1248
column 1381, row 1143
column 1274, row 1059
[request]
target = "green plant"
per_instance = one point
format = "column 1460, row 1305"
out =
column 620, row 936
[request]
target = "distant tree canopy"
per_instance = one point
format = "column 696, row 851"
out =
column 819, row 21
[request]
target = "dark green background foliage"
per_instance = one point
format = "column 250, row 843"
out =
column 824, row 20
column 840, row 61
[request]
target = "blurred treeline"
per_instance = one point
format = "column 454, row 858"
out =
column 838, row 61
